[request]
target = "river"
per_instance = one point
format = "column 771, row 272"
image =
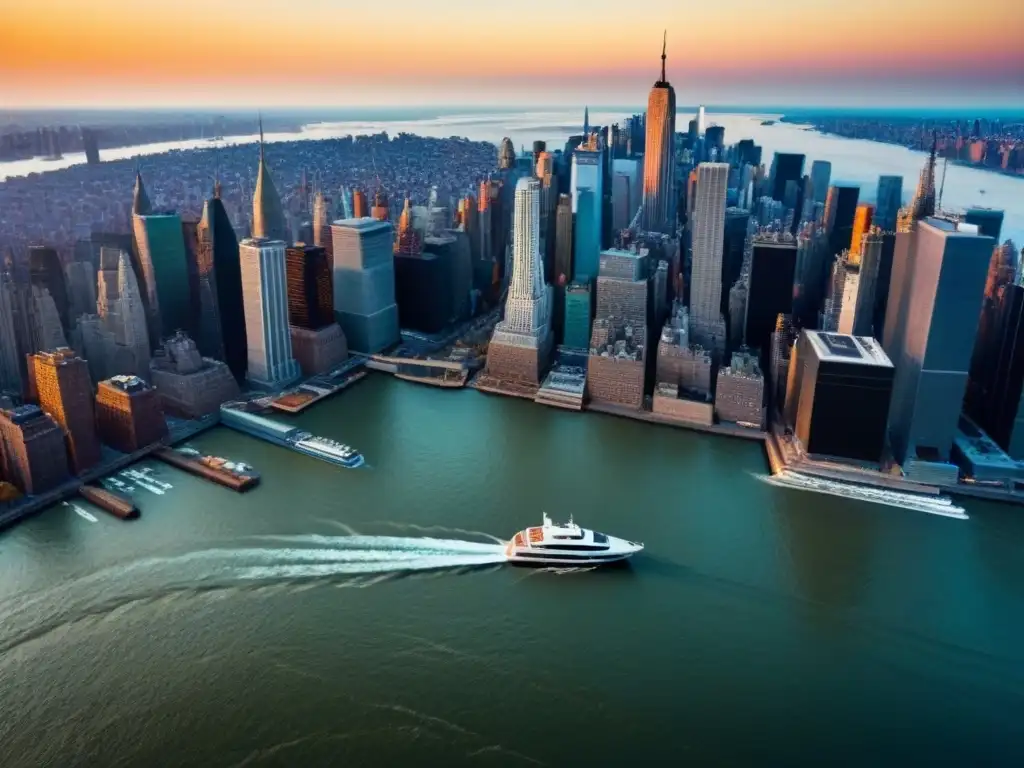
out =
column 853, row 161
column 334, row 617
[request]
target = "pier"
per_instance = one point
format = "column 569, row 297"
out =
column 109, row 501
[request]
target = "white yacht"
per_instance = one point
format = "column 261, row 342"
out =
column 567, row 545
column 327, row 450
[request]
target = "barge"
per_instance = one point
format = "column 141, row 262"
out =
column 234, row 475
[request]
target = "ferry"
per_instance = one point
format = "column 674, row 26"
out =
column 327, row 450
column 567, row 545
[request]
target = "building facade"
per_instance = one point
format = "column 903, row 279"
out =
column 659, row 194
column 64, row 390
column 707, row 325
column 364, row 283
column 128, row 414
column 32, row 450
column 265, row 290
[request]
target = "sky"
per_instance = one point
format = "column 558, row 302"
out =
column 298, row 53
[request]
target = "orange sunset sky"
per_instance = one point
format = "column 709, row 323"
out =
column 557, row 52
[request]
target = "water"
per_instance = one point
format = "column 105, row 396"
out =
column 334, row 617
column 853, row 161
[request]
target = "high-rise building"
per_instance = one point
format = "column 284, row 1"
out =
column 850, row 307
column 381, row 209
column 48, row 272
column 268, row 220
column 360, row 205
column 586, row 240
column 770, row 292
column 564, row 238
column 47, row 330
column 322, row 209
column 310, row 289
column 10, row 355
column 707, row 326
column 128, row 414
column 679, row 363
column 65, row 392
column 161, row 254
column 626, row 191
column 861, row 226
column 618, row 340
column 786, row 168
column 734, row 237
column 989, row 221
column 888, row 201
column 209, row 337
column 841, row 403
column 820, row 176
column 506, row 154
column 840, row 212
column 364, row 283
column 659, row 197
column 265, row 291
column 190, row 385
column 577, row 315
column 521, row 342
column 32, row 451
column 90, row 144
column 943, row 286
column 118, row 342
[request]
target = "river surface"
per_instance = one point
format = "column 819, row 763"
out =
column 853, row 161
column 333, row 617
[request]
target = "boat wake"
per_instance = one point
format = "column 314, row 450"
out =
column 285, row 564
column 933, row 505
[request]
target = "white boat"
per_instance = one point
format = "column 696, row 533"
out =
column 328, row 450
column 567, row 545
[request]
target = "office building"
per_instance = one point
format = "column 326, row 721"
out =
column 360, row 206
column 577, row 316
column 734, row 239
column 588, row 200
column 770, row 289
column 861, row 226
column 209, row 337
column 783, row 338
column 268, row 220
column 310, row 287
column 47, row 272
column 786, row 168
column 47, row 330
column 227, row 278
column 840, row 213
column 618, row 342
column 888, row 201
column 90, row 144
column 707, row 325
column 659, row 196
column 882, row 286
column 506, row 154
column 685, row 366
column 161, row 254
column 842, row 401
column 265, row 298
column 364, row 284
column 942, row 288
column 189, row 385
column 116, row 339
column 128, row 414
column 381, row 208
column 850, row 307
column 10, row 354
column 626, row 191
column 564, row 238
column 64, row 391
column 322, row 208
column 739, row 391
column 521, row 342
column 989, row 221
column 820, row 176
column 32, row 451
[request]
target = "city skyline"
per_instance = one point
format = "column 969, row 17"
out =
column 112, row 55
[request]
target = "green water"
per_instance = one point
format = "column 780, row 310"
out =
column 760, row 625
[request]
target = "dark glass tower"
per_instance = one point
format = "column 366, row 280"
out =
column 310, row 291
column 228, row 274
column 47, row 272
column 785, row 168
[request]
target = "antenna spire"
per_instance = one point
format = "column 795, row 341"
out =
column 261, row 134
column 664, row 49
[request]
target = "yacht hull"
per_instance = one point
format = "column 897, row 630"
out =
column 536, row 559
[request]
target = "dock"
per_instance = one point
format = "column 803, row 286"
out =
column 318, row 388
column 233, row 480
column 109, row 501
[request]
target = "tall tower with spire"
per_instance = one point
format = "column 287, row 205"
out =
column 267, row 212
column 586, row 122
column 659, row 202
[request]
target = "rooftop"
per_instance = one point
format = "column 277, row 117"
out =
column 262, row 242
column 365, row 224
column 840, row 347
column 127, row 383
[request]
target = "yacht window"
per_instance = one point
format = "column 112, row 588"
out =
column 558, row 536
column 600, row 538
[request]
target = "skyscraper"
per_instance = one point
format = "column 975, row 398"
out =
column 160, row 249
column 209, row 338
column 364, row 283
column 821, row 175
column 264, row 285
column 840, row 212
column 988, row 220
column 65, row 392
column 861, row 226
column 322, row 206
column 48, row 272
column 707, row 326
column 943, row 286
column 268, row 219
column 888, row 199
column 625, row 192
column 786, row 168
column 770, row 293
column 310, row 290
column 588, row 179
column 10, row 365
column 564, row 238
column 521, row 341
column 659, row 200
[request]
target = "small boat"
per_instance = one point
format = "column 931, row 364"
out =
column 567, row 545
